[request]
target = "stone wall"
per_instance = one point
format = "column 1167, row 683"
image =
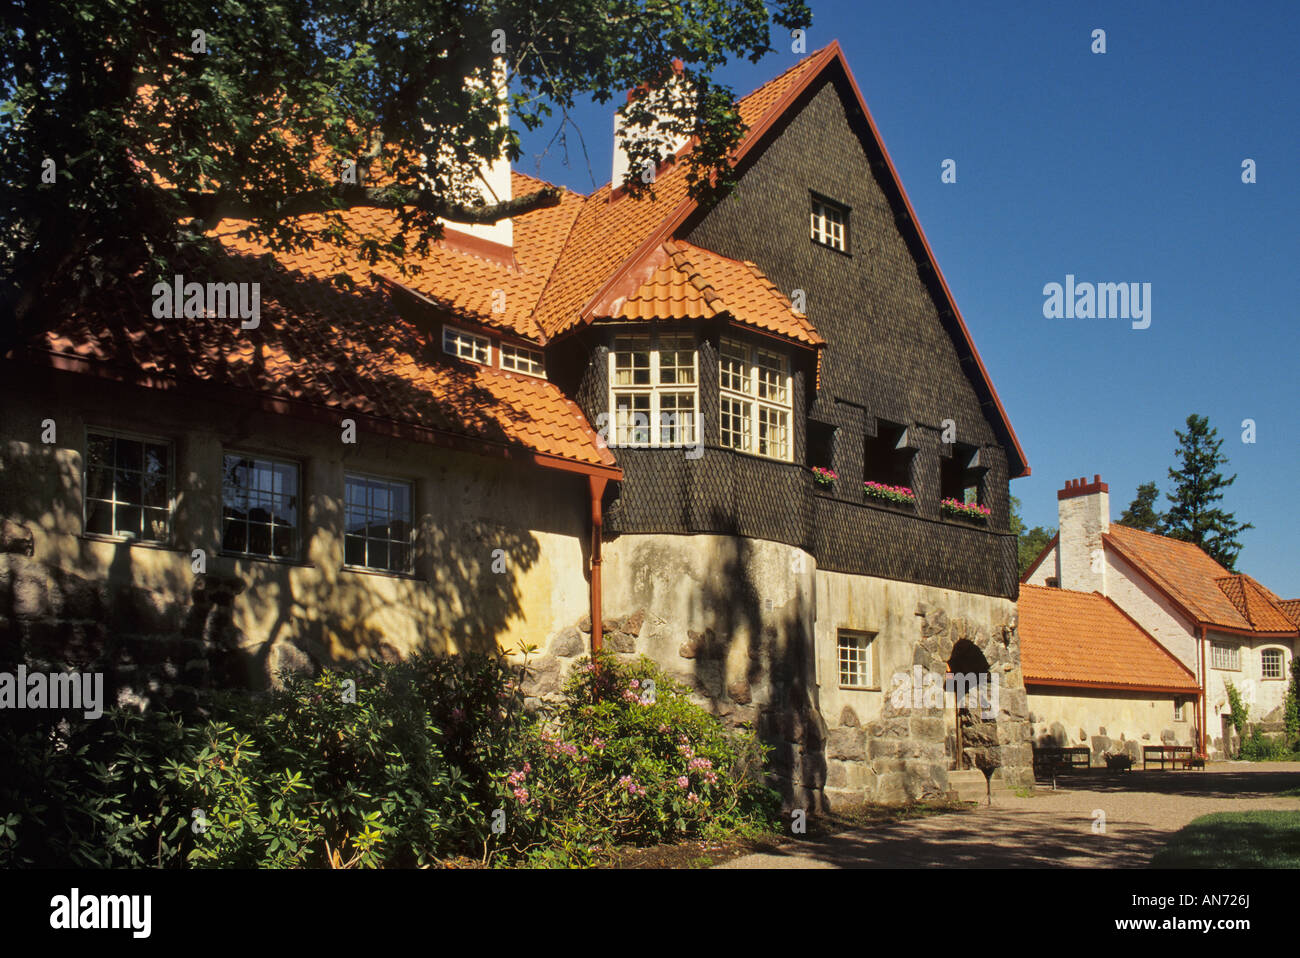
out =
column 1108, row 720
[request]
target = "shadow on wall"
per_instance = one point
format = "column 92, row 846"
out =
column 778, row 675
column 160, row 632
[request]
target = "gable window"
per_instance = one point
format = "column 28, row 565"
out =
column 259, row 505
column 654, row 390
column 830, row 224
column 1271, row 663
column 1225, row 657
column 855, row 658
column 477, row 349
column 520, row 359
column 755, row 399
column 128, row 486
column 377, row 534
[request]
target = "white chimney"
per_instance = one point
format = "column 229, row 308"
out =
column 1084, row 511
column 493, row 180
column 668, row 144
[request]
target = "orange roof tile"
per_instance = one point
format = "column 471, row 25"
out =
column 694, row 283
column 1188, row 575
column 609, row 229
column 1291, row 608
column 460, row 281
column 1082, row 638
column 319, row 345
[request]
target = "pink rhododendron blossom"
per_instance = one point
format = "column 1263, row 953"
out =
column 682, row 781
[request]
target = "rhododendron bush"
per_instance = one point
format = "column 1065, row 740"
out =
column 627, row 757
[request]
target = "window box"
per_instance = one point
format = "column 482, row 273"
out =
column 965, row 510
column 883, row 493
column 824, row 477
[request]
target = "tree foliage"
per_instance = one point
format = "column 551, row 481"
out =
column 1141, row 513
column 1198, row 484
column 1030, row 542
column 130, row 127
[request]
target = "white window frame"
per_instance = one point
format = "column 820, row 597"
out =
column 750, row 396
column 1221, row 653
column 1281, row 664
column 1180, row 709
column 409, row 566
column 85, row 487
column 300, row 518
column 522, row 359
column 863, row 656
column 620, row 430
column 830, row 224
column 455, row 340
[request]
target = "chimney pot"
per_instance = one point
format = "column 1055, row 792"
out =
column 1096, row 477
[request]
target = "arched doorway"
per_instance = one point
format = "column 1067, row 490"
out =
column 970, row 706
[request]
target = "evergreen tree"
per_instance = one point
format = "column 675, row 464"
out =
column 1141, row 513
column 1030, row 542
column 1198, row 485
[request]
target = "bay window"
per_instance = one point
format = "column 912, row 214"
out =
column 755, row 399
column 654, row 390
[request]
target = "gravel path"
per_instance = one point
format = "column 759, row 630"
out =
column 1054, row 828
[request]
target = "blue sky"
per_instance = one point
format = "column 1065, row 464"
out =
column 1115, row 167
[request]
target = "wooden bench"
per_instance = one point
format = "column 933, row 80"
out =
column 1050, row 760
column 1171, row 756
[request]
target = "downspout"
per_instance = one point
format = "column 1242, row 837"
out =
column 596, row 485
column 1205, row 705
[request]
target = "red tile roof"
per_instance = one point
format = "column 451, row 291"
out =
column 328, row 348
column 1291, row 607
column 1083, row 639
column 689, row 282
column 1208, row 592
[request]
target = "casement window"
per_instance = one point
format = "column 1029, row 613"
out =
column 128, row 486
column 830, row 224
column 1180, row 713
column 521, row 359
column 855, row 658
column 1271, row 663
column 377, row 531
column 1225, row 657
column 654, row 390
column 477, row 349
column 259, row 500
column 755, row 400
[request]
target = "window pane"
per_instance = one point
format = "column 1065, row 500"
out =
column 99, row 451
column 235, row 537
column 259, row 538
column 99, row 483
column 129, row 454
column 354, row 550
column 99, row 517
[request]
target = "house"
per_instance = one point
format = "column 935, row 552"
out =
column 591, row 427
column 1222, row 627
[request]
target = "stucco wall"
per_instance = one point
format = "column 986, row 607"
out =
column 1107, row 720
column 283, row 612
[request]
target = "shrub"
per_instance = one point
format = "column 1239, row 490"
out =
column 628, row 758
column 1257, row 747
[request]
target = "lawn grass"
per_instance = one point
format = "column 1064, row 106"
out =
column 1234, row 840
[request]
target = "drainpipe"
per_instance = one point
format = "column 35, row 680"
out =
column 596, row 484
column 1205, row 705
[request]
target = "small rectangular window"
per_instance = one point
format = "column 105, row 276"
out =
column 477, row 349
column 1271, row 663
column 1226, row 657
column 830, row 224
column 377, row 531
column 855, row 655
column 520, row 359
column 128, row 486
column 259, row 499
column 1179, row 714
column 756, row 399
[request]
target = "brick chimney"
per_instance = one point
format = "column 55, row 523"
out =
column 1083, row 509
